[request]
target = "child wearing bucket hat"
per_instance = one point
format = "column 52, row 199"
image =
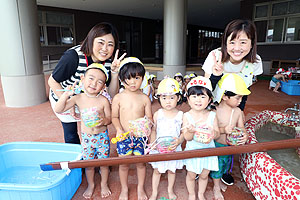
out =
column 200, row 128
column 131, row 112
column 228, row 93
column 95, row 116
column 166, row 134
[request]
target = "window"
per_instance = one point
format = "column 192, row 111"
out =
column 56, row 28
column 278, row 21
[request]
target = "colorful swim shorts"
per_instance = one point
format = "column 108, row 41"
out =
column 95, row 146
column 224, row 164
column 131, row 145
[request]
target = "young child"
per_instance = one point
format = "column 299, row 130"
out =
column 167, row 122
column 200, row 128
column 179, row 78
column 275, row 82
column 95, row 116
column 186, row 80
column 128, row 106
column 229, row 91
column 149, row 90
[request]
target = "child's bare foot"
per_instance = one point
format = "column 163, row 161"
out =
column 123, row 195
column 105, row 191
column 192, row 197
column 275, row 91
column 218, row 194
column 142, row 194
column 172, row 195
column 88, row 193
column 223, row 187
column 201, row 196
column 153, row 196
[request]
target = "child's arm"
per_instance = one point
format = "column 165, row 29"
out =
column 115, row 115
column 148, row 110
column 106, row 119
column 216, row 130
column 187, row 130
column 240, row 124
column 153, row 132
column 64, row 102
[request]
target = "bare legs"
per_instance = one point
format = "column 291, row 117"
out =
column 155, row 182
column 141, row 174
column 90, row 172
column 202, row 183
column 217, row 189
column 276, row 87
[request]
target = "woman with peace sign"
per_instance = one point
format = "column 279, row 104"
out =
column 100, row 46
column 236, row 55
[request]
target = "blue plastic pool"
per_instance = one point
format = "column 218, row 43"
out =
column 22, row 179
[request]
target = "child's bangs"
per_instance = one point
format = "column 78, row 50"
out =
column 199, row 90
column 131, row 70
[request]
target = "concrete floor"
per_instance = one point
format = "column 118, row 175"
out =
column 38, row 123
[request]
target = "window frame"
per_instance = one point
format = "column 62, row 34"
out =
column 43, row 24
column 269, row 17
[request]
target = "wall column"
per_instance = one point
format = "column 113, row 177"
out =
column 175, row 18
column 21, row 64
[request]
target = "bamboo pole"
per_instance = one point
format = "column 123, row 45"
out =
column 248, row 148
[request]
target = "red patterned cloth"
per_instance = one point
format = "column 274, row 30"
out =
column 264, row 176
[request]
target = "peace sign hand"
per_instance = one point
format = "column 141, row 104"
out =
column 116, row 63
column 218, row 66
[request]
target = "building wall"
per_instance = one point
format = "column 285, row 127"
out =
column 270, row 52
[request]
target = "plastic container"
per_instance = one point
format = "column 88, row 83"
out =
column 292, row 87
column 22, row 179
column 164, row 144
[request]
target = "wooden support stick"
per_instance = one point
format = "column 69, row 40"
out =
column 257, row 147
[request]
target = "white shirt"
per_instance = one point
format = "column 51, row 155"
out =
column 229, row 67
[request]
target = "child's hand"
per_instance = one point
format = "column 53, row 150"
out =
column 243, row 139
column 74, row 114
column 174, row 144
column 218, row 66
column 228, row 129
column 190, row 128
column 119, row 132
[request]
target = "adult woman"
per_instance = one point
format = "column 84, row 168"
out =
column 100, row 45
column 236, row 55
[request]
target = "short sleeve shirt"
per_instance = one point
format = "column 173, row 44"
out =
column 229, row 67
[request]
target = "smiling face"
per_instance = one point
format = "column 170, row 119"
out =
column 103, row 47
column 133, row 83
column 238, row 47
column 199, row 102
column 168, row 102
column 93, row 81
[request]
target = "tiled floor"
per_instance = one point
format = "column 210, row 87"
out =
column 38, row 123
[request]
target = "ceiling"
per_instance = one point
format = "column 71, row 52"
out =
column 208, row 13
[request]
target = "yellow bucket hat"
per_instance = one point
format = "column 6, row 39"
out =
column 200, row 81
column 98, row 66
column 230, row 82
column 129, row 60
column 168, row 86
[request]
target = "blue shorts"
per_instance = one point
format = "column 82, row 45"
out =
column 275, row 80
column 95, row 146
column 131, row 145
column 224, row 164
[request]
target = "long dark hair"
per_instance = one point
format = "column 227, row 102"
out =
column 234, row 28
column 99, row 30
